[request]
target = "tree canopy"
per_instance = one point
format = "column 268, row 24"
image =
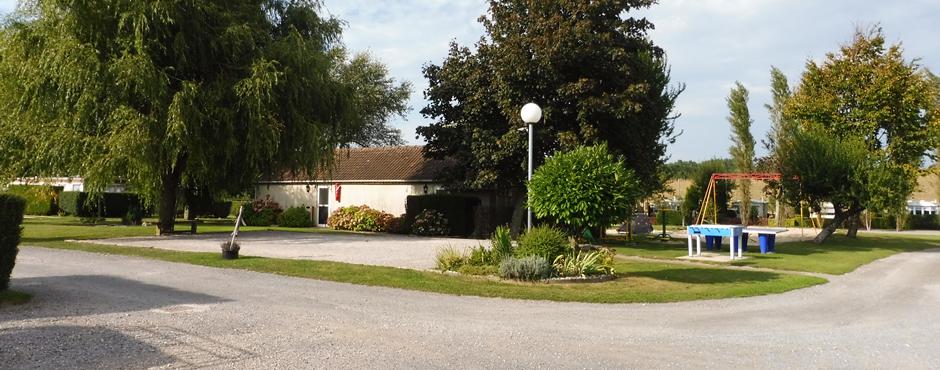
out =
column 591, row 67
column 584, row 188
column 866, row 97
column 202, row 94
column 742, row 149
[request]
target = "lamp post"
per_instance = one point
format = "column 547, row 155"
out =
column 531, row 113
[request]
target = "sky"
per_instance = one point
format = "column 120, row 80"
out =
column 710, row 45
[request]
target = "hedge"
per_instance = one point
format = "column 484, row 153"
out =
column 11, row 217
column 107, row 205
column 672, row 218
column 41, row 200
column 457, row 209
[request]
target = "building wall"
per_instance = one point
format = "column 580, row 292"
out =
column 388, row 198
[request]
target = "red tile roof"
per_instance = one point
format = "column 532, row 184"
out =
column 399, row 163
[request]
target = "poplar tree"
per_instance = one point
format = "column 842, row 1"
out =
column 742, row 151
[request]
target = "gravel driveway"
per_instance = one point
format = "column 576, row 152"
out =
column 102, row 311
column 402, row 251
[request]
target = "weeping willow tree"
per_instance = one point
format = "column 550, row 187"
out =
column 170, row 95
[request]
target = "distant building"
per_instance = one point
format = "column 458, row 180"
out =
column 923, row 207
column 381, row 178
column 66, row 183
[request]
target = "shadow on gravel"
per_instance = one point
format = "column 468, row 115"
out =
column 707, row 276
column 77, row 347
column 81, row 295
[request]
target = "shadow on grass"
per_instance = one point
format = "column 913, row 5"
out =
column 707, row 276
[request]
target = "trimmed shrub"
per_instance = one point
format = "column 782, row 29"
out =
column 261, row 212
column 216, row 209
column 41, row 200
column 458, row 210
column 543, row 241
column 11, row 217
column 430, row 223
column 797, row 222
column 673, row 218
column 83, row 205
column 360, row 218
column 527, row 268
column 922, row 222
column 584, row 188
column 295, row 217
column 399, row 225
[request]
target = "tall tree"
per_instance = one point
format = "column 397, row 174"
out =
column 869, row 96
column 376, row 98
column 779, row 127
column 168, row 95
column 593, row 69
column 742, row 152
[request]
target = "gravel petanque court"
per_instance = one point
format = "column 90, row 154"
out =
column 403, row 251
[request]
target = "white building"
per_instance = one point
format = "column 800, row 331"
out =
column 923, row 207
column 74, row 183
column 381, row 178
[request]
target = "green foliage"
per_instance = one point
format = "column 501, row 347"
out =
column 584, row 264
column 430, row 223
column 11, row 216
column 450, row 259
column 481, row 256
column 584, row 188
column 798, row 222
column 376, row 98
column 295, row 217
column 399, row 225
column 41, row 200
column 694, row 195
column 543, row 241
column 88, row 205
column 880, row 108
column 360, row 218
column 595, row 72
column 742, row 150
column 681, row 170
column 501, row 242
column 459, row 210
column 822, row 168
column 159, row 93
column 527, row 268
column 479, row 270
column 261, row 212
column 673, row 218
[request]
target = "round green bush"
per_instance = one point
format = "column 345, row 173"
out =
column 543, row 241
column 295, row 217
column 430, row 223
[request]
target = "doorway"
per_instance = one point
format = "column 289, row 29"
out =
column 323, row 205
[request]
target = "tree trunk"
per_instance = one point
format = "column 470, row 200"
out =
column 853, row 226
column 828, row 230
column 167, row 206
column 169, row 189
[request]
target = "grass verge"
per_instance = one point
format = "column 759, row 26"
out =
column 13, row 297
column 836, row 256
column 636, row 282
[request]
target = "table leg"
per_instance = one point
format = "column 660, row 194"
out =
column 732, row 246
column 698, row 245
column 690, row 245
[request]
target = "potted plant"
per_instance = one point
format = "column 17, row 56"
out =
column 230, row 250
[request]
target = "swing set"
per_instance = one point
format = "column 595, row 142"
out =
column 711, row 193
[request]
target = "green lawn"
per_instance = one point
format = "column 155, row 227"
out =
column 13, row 297
column 839, row 255
column 636, row 282
column 51, row 228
